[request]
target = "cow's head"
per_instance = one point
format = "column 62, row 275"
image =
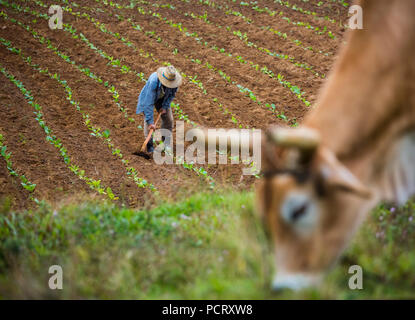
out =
column 309, row 203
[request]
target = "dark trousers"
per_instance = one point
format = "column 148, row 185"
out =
column 166, row 123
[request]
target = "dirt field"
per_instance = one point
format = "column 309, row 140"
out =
column 244, row 65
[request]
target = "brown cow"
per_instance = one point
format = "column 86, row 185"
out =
column 355, row 149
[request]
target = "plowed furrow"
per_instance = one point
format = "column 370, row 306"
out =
column 307, row 36
column 92, row 155
column 258, row 82
column 32, row 154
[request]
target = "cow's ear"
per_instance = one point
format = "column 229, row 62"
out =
column 336, row 176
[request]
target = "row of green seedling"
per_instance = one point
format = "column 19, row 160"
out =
column 282, row 35
column 251, row 95
column 124, row 69
column 131, row 171
column 295, row 8
column 55, row 141
column 285, row 83
column 226, row 111
column 244, row 38
column 310, row 13
column 192, row 79
column 25, row 183
column 200, row 171
column 342, row 2
column 253, row 5
column 114, row 62
column 270, row 106
column 95, row 131
column 179, row 26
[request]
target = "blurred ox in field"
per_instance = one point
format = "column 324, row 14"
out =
column 355, row 149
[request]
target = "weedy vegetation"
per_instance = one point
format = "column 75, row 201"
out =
column 207, row 246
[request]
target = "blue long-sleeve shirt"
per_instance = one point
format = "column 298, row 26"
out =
column 149, row 95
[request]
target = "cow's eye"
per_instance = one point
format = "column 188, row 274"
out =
column 299, row 211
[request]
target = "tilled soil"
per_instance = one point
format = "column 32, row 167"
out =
column 217, row 103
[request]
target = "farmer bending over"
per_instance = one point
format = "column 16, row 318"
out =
column 158, row 92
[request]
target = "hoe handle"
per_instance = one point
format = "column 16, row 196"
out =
column 149, row 134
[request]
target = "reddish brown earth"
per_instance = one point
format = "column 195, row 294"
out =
column 41, row 163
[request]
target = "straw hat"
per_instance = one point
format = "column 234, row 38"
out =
column 169, row 77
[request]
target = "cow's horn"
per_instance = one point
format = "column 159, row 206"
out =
column 302, row 138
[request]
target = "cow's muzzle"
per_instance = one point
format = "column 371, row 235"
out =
column 295, row 281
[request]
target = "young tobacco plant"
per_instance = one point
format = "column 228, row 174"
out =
column 51, row 138
column 26, row 184
column 95, row 131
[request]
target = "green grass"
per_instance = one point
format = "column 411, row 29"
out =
column 208, row 246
